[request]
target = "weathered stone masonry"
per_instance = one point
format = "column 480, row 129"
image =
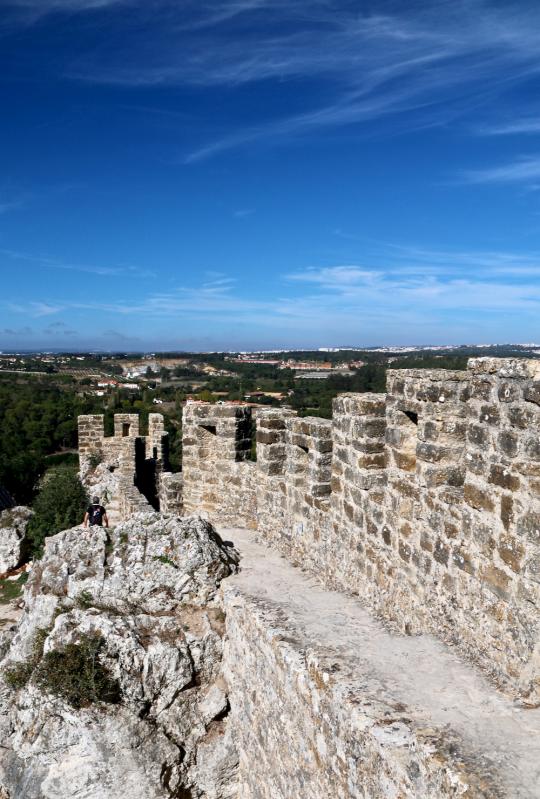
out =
column 135, row 466
column 424, row 502
column 219, row 480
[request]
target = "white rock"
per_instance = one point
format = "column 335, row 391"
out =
column 13, row 524
column 148, row 590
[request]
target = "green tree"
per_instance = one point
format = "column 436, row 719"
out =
column 60, row 504
column 19, row 475
column 206, row 396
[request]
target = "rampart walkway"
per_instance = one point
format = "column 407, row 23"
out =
column 491, row 737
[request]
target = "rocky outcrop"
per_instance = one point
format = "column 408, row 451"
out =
column 112, row 681
column 13, row 524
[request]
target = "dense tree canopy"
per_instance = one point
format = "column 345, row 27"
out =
column 60, row 503
column 35, row 420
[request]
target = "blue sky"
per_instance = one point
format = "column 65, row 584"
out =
column 195, row 174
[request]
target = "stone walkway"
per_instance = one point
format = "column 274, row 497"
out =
column 420, row 672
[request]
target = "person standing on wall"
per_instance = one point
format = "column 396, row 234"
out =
column 96, row 514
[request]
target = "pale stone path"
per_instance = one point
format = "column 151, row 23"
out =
column 420, row 672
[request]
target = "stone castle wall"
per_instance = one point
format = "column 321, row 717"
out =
column 219, row 480
column 424, row 502
column 306, row 726
column 127, row 465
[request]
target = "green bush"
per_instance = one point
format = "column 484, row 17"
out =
column 164, row 559
column 18, row 675
column 94, row 460
column 63, row 459
column 60, row 504
column 84, row 600
column 76, row 674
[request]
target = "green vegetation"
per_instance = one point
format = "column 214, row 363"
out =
column 36, row 419
column 74, row 673
column 164, row 559
column 63, row 459
column 95, row 460
column 84, row 600
column 18, row 675
column 12, row 589
column 60, row 504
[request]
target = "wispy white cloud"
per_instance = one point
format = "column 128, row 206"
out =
column 414, row 291
column 521, row 170
column 482, row 263
column 37, row 309
column 427, row 62
column 42, row 7
column 429, row 68
column 226, row 11
column 93, row 269
column 44, row 309
column 334, row 276
column 398, row 288
column 10, row 205
column 514, row 127
column 430, row 60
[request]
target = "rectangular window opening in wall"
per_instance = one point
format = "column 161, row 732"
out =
column 125, row 429
column 210, row 428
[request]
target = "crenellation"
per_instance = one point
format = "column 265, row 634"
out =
column 170, row 493
column 127, row 467
column 424, row 502
column 126, row 425
column 217, row 479
column 157, row 438
column 91, row 432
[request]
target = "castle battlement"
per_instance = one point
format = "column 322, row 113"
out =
column 423, row 502
column 135, row 467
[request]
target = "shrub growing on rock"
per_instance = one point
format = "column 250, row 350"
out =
column 76, row 674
